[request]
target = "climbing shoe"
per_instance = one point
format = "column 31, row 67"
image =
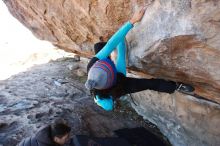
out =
column 185, row 88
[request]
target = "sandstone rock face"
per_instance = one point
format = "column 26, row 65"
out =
column 177, row 40
column 185, row 120
column 71, row 25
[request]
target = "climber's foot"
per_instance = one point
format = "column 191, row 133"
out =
column 185, row 88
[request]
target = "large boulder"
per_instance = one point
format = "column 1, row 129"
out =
column 176, row 40
column 185, row 120
column 179, row 40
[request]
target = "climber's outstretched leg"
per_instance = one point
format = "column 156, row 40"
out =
column 132, row 85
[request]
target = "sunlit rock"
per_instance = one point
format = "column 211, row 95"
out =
column 176, row 40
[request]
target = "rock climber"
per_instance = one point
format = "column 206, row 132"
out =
column 107, row 81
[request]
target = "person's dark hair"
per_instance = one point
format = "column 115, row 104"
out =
column 59, row 128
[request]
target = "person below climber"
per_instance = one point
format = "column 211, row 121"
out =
column 107, row 81
column 55, row 134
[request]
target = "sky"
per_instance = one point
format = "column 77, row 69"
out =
column 18, row 46
column 14, row 35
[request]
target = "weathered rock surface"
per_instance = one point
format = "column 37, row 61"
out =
column 177, row 40
column 193, row 26
column 71, row 25
column 34, row 98
column 185, row 120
